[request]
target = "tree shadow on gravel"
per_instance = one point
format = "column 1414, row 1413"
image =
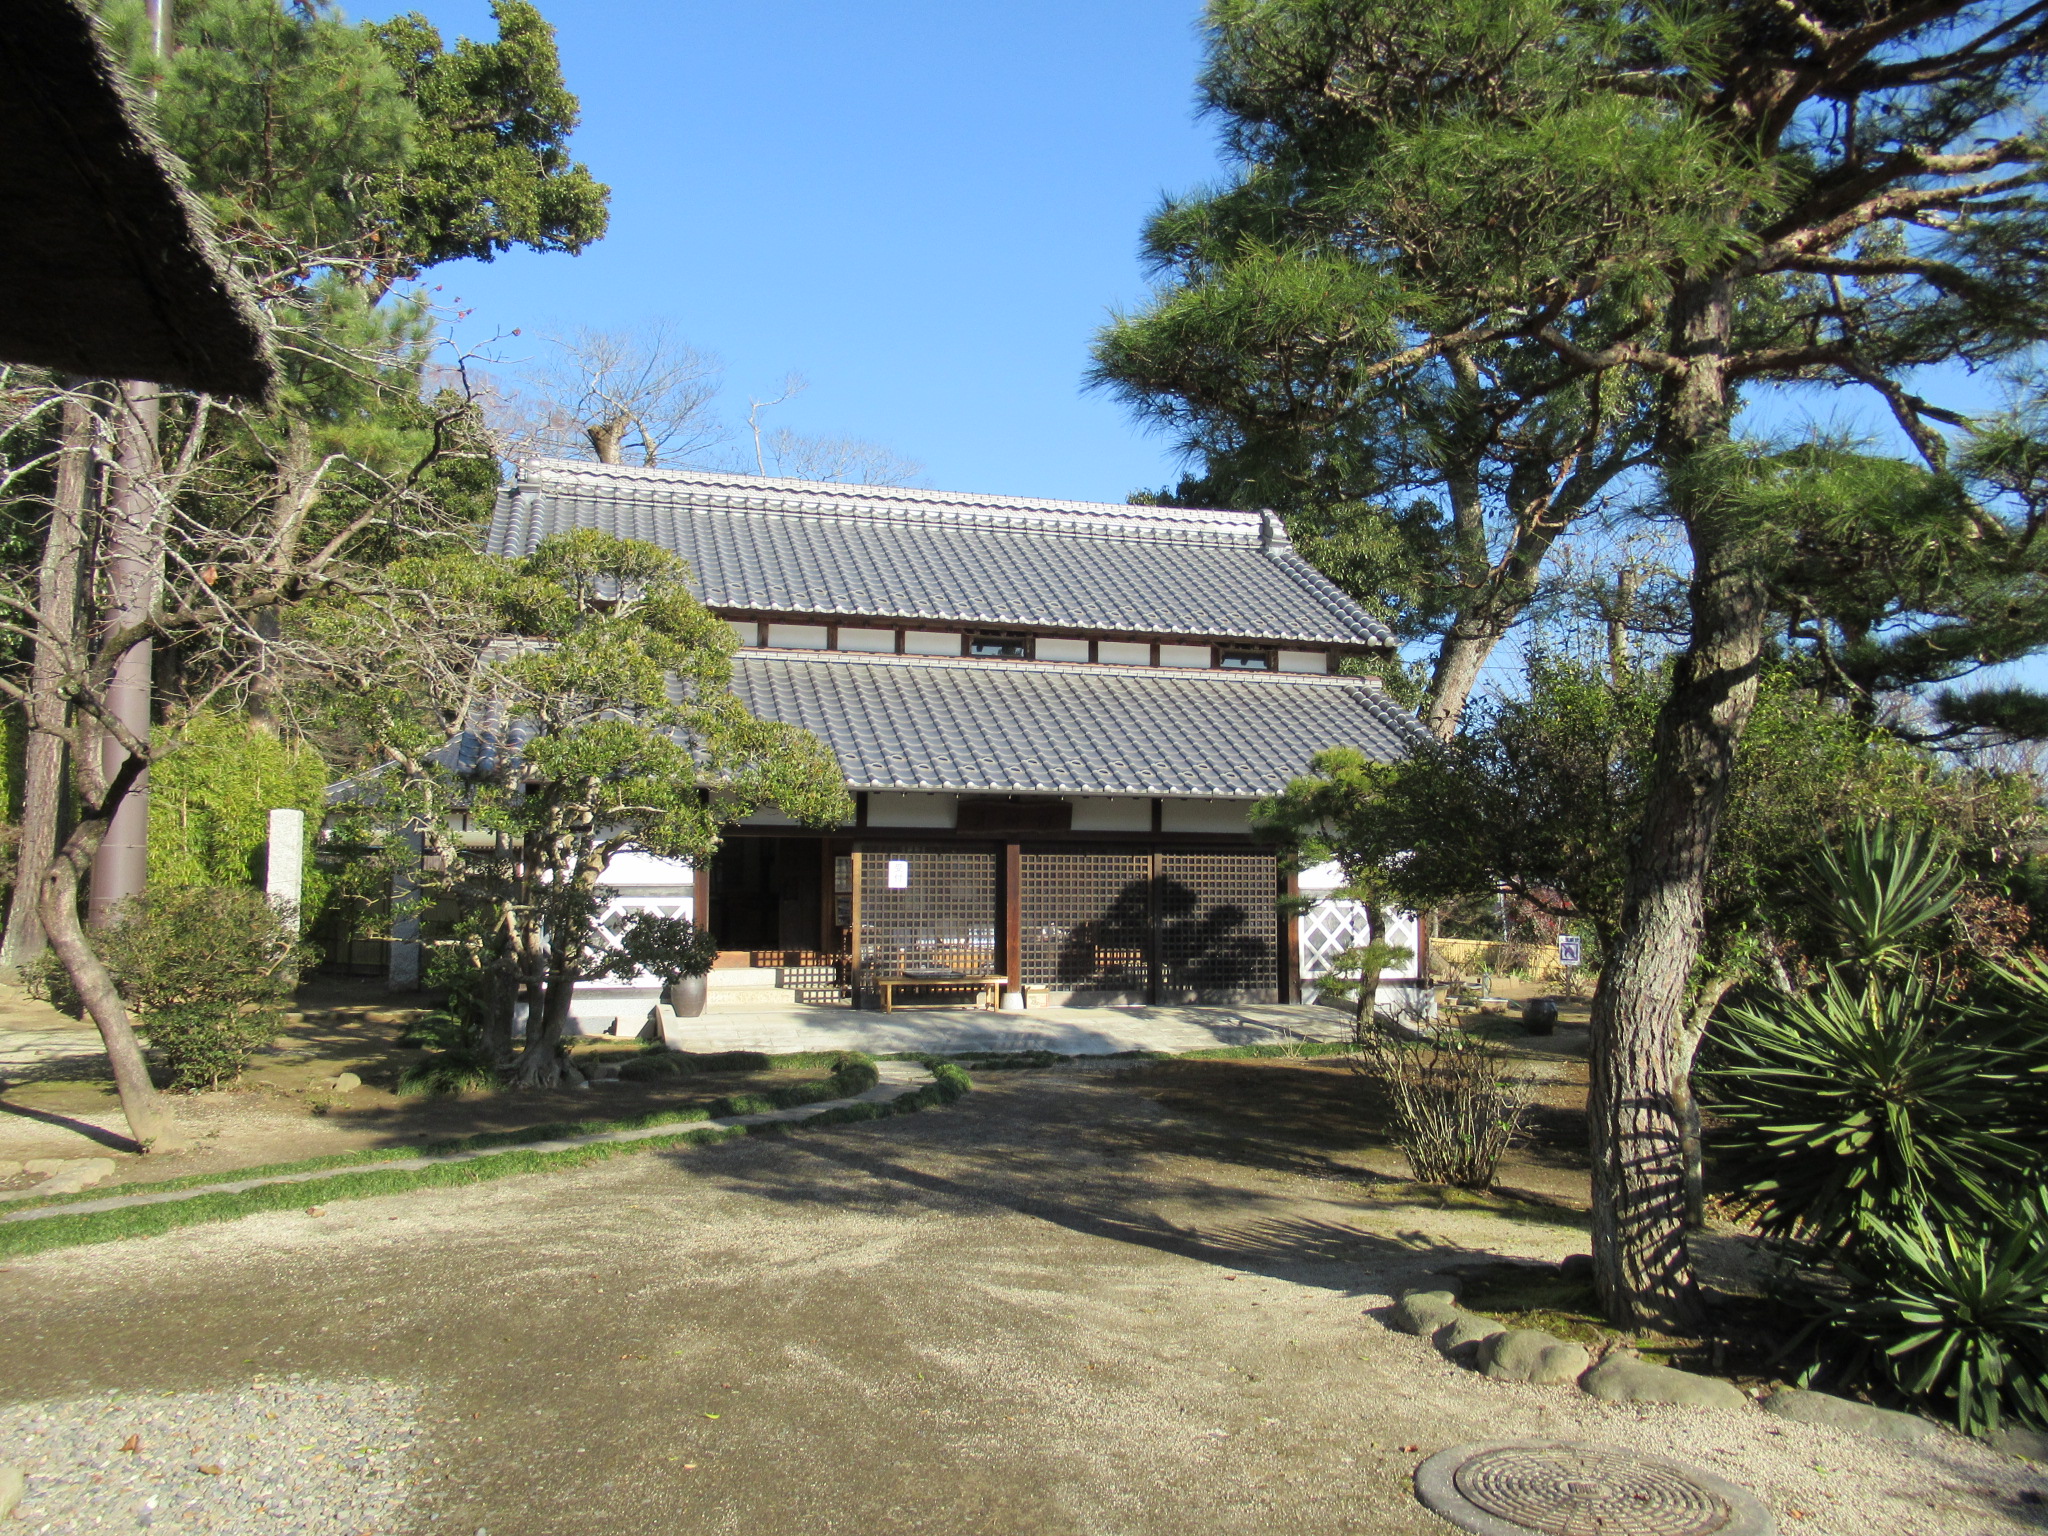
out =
column 1101, row 1163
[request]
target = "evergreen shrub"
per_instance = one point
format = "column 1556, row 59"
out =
column 208, row 970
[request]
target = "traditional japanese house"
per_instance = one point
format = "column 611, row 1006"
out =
column 1053, row 716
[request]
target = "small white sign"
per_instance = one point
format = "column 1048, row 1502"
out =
column 1569, row 950
column 899, row 874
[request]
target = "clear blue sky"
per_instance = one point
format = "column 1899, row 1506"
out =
column 926, row 208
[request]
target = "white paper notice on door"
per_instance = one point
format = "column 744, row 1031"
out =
column 899, row 874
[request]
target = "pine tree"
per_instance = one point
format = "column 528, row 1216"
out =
column 1698, row 198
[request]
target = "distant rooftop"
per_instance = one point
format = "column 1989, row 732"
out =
column 822, row 549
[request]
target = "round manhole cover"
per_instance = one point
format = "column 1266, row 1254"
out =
column 1560, row 1489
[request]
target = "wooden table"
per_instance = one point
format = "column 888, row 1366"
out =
column 985, row 991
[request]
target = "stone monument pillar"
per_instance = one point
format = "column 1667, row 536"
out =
column 285, row 882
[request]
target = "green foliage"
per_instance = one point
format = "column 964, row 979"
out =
column 854, row 1073
column 489, row 167
column 210, row 804
column 1541, row 794
column 1848, row 1102
column 1954, row 1315
column 284, row 118
column 1884, row 890
column 449, row 1071
column 210, row 970
column 371, row 147
column 1887, row 1113
column 612, row 727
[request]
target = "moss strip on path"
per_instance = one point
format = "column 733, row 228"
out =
column 144, row 1215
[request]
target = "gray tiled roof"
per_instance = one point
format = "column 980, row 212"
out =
column 900, row 722
column 882, row 552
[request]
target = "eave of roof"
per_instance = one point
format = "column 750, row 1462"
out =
column 940, row 724
column 109, row 265
column 949, row 558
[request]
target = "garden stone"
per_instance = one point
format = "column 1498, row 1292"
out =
column 1466, row 1330
column 13, row 1482
column 607, row 1073
column 348, row 1082
column 1840, row 1413
column 69, row 1174
column 1625, row 1379
column 1423, row 1312
column 1531, row 1355
column 1576, row 1266
column 2014, row 1441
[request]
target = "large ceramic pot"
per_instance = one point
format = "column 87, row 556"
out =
column 686, row 996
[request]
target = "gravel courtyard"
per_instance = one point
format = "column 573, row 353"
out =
column 1056, row 1307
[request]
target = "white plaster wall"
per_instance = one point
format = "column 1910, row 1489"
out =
column 888, row 808
column 1061, row 648
column 797, row 637
column 747, row 633
column 1112, row 813
column 866, row 639
column 1205, row 816
column 1304, row 661
column 1124, row 653
column 1183, row 655
column 931, row 642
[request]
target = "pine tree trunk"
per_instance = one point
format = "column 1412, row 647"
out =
column 42, row 795
column 1641, row 1263
column 1463, row 652
column 149, row 1119
column 133, row 561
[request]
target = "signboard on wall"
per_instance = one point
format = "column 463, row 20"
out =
column 899, row 874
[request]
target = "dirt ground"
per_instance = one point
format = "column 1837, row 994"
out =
column 285, row 1107
column 1076, row 1302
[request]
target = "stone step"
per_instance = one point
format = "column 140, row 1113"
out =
column 740, row 979
column 750, row 999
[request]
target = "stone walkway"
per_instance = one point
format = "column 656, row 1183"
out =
column 38, row 1041
column 897, row 1077
column 1069, row 1031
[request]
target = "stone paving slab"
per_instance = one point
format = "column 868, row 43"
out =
column 1069, row 1031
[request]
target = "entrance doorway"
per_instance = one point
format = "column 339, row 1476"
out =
column 768, row 893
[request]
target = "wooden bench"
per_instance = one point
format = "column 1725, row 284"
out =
column 983, row 991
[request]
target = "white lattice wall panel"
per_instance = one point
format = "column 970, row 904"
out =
column 638, row 882
column 1330, row 927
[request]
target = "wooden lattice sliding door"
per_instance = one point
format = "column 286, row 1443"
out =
column 1094, row 921
column 1085, row 921
column 1219, row 927
column 927, row 909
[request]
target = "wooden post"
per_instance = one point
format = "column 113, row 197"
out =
column 828, row 899
column 1010, row 925
column 1290, row 935
column 1155, row 976
column 853, row 930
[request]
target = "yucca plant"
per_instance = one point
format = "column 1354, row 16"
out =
column 1861, row 1100
column 1954, row 1314
column 1873, row 1091
column 1883, row 890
